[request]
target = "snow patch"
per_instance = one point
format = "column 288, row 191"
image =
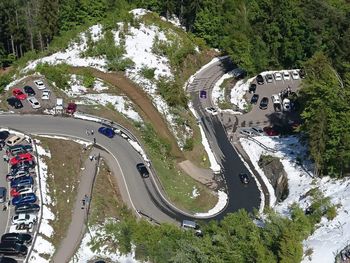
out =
column 221, row 204
column 238, row 92
column 195, row 193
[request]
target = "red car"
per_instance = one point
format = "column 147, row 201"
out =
column 72, row 107
column 21, row 158
column 270, row 131
column 19, row 94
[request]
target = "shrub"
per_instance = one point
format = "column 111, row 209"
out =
column 189, row 143
column 59, row 74
column 171, row 92
column 88, row 79
column 331, row 212
column 4, row 81
column 148, row 73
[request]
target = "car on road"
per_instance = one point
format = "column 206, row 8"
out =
column 24, row 199
column 244, row 178
column 254, row 99
column 23, row 218
column 246, row 131
column 278, row 76
column 15, row 103
column 24, row 181
column 239, row 73
column 21, row 190
column 34, row 102
column 252, row 88
column 14, row 140
column 141, row 167
column 286, row 75
column 18, row 93
column 258, row 130
column 264, row 103
column 270, row 131
column 45, row 95
column 20, row 148
column 16, row 237
column 29, row 90
column 71, row 108
column 211, row 110
column 203, row 94
column 295, row 75
column 260, row 79
column 27, row 208
column 39, row 84
column 21, row 158
column 109, row 132
column 13, row 248
column 269, row 78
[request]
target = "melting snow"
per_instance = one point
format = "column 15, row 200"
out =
column 221, row 204
column 195, row 192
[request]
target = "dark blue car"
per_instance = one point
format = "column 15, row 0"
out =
column 203, row 94
column 22, row 181
column 24, row 199
column 106, row 131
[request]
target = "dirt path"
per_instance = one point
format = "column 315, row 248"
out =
column 144, row 104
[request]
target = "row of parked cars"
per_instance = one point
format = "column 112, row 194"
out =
column 22, row 193
column 278, row 76
column 28, row 93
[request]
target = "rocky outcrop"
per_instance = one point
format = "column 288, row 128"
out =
column 275, row 173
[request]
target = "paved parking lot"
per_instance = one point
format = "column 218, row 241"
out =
column 27, row 108
column 259, row 117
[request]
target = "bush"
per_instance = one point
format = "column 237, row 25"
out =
column 88, row 79
column 189, row 144
column 171, row 92
column 331, row 212
column 4, row 81
column 58, row 74
column 148, row 73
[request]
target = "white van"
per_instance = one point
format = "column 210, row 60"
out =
column 187, row 224
column 14, row 139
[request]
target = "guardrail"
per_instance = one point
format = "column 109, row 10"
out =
column 261, row 144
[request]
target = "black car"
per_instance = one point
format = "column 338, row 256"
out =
column 23, row 165
column 254, row 99
column 244, row 178
column 29, row 90
column 302, row 73
column 16, row 237
column 264, row 103
column 4, row 135
column 13, row 248
column 269, row 78
column 239, row 73
column 15, row 103
column 142, row 170
column 252, row 88
column 260, row 80
column 7, row 260
column 27, row 208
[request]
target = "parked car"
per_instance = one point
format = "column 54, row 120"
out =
column 246, row 131
column 14, row 140
column 286, row 75
column 295, row 74
column 71, row 108
column 18, row 174
column 24, row 199
column 21, row 158
column 25, row 164
column 29, row 90
column 15, row 103
column 278, row 76
column 27, row 208
column 3, row 194
column 19, row 94
column 4, row 135
column 260, row 79
column 188, row 224
column 244, row 178
column 4, row 259
column 22, row 182
column 141, row 167
column 264, row 103
column 13, row 248
column 39, row 84
column 45, row 95
column 203, row 94
column 270, row 131
column 252, row 88
column 109, row 132
column 21, row 190
column 16, row 237
column 286, row 105
column 239, row 73
column 27, row 219
column 269, row 78
column 34, row 102
column 211, row 110
column 20, row 148
column 276, row 99
column 254, row 99
column 258, row 130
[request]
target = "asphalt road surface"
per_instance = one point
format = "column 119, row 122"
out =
column 240, row 195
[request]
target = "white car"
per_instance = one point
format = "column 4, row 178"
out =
column 275, row 99
column 211, row 110
column 27, row 219
column 45, row 95
column 295, row 74
column 39, row 84
column 34, row 102
column 286, row 105
column 286, row 75
column 27, row 189
column 278, row 76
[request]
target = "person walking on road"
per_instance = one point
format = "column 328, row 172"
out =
column 92, row 132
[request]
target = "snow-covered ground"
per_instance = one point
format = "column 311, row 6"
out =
column 85, row 252
column 330, row 236
column 220, row 205
column 238, row 92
